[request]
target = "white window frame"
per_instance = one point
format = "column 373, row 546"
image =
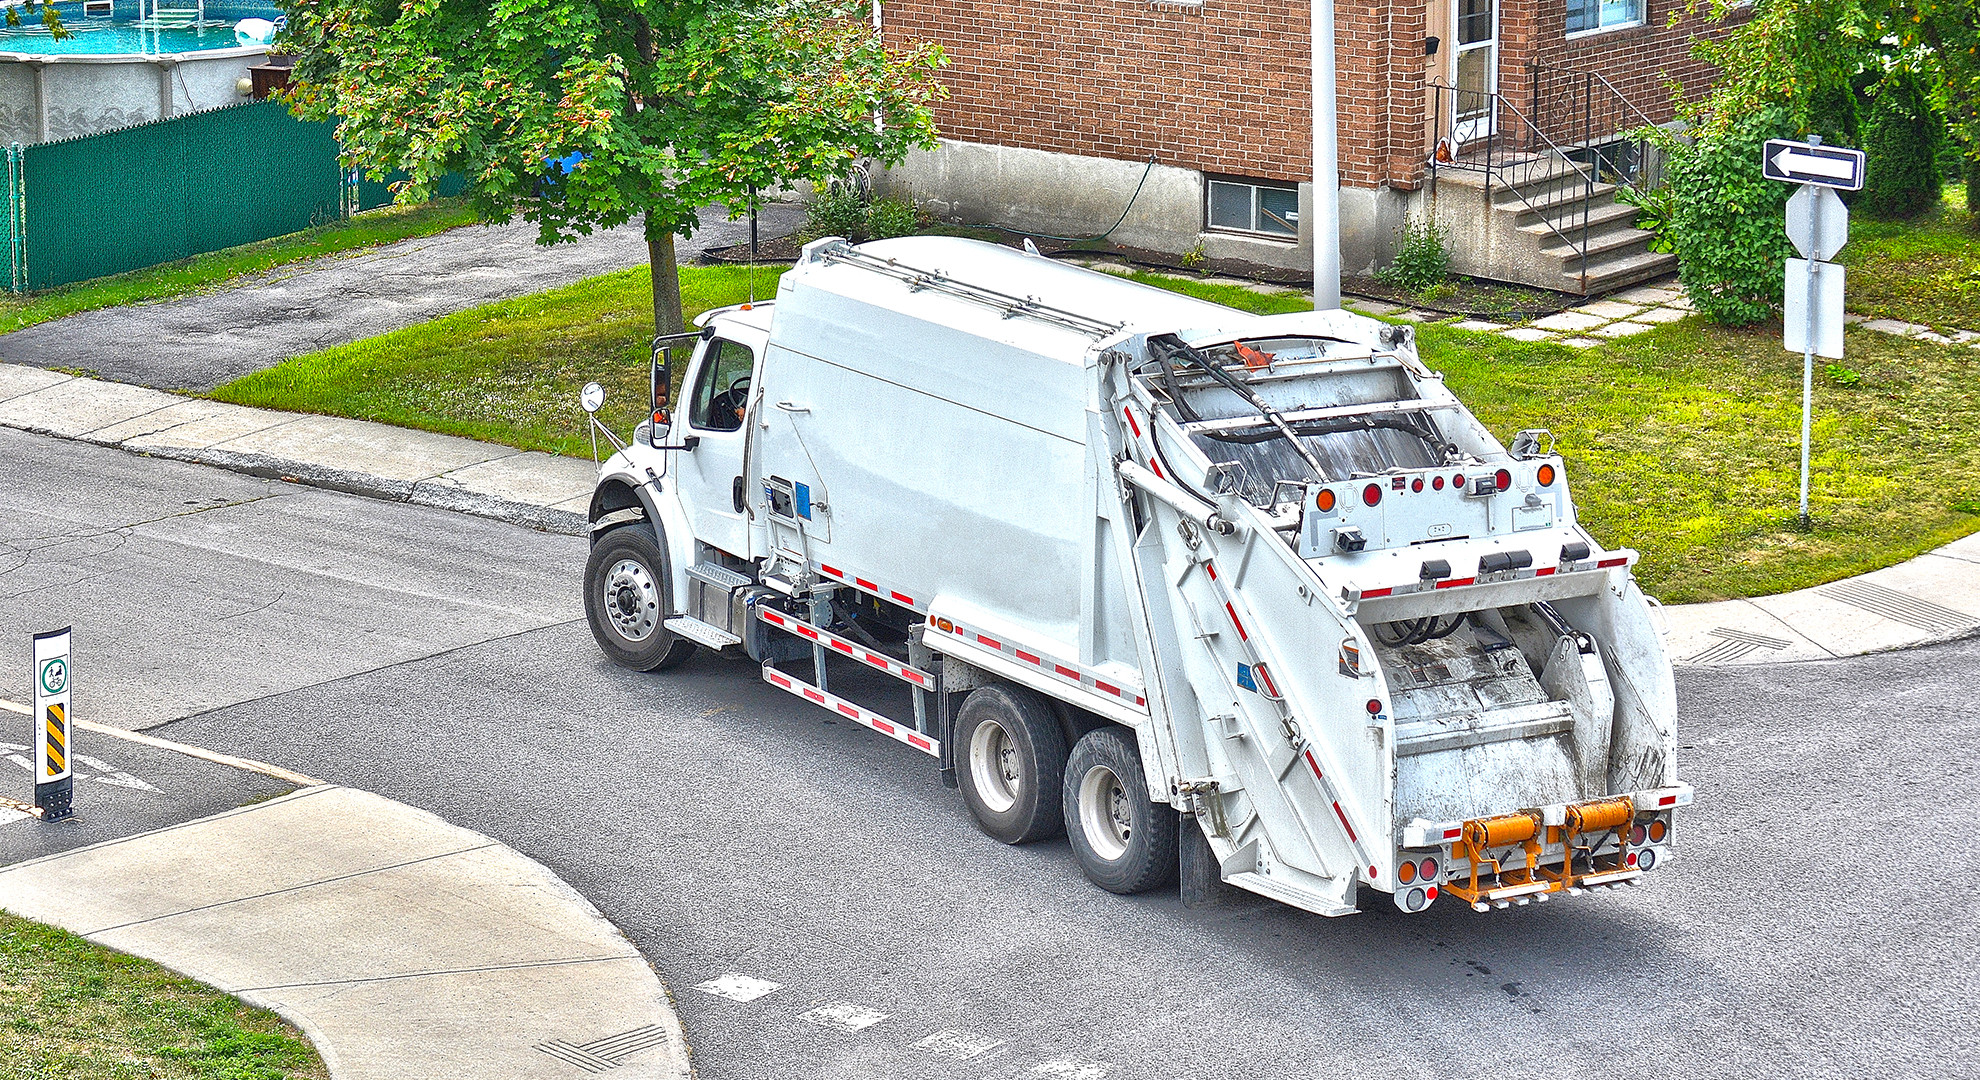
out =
column 1642, row 19
column 1255, row 185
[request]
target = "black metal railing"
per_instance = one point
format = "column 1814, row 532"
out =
column 1576, row 140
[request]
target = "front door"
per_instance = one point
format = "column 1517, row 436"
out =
column 1475, row 68
column 710, row 476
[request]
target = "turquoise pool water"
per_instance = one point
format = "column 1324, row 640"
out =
column 101, row 35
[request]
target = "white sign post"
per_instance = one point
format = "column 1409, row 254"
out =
column 51, row 731
column 1818, row 223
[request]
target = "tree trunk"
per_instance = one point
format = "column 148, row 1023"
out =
column 1973, row 193
column 666, row 280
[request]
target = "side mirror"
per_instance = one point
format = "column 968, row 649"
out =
column 591, row 397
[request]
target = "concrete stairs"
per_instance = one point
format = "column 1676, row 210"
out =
column 1526, row 226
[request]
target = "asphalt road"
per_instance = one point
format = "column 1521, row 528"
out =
column 198, row 342
column 1817, row 923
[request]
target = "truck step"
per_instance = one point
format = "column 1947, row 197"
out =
column 700, row 632
column 719, row 576
column 864, row 717
column 907, row 673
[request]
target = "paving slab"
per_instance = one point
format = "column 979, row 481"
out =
column 1620, row 329
column 1659, row 315
column 199, row 424
column 1648, row 294
column 345, row 912
column 1609, row 309
column 1580, row 342
column 1528, row 333
column 332, row 451
column 542, row 490
column 1570, row 321
column 1844, row 629
column 1733, row 632
column 1894, row 326
column 74, row 407
column 1479, row 325
column 18, row 379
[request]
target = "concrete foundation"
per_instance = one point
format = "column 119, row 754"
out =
column 45, row 98
column 1072, row 195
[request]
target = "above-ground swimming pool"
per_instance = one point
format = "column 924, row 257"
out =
column 125, row 67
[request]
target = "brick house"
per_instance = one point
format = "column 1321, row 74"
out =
column 1057, row 105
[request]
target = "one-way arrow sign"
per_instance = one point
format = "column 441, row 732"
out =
column 1800, row 163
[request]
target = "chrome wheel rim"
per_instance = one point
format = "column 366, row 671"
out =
column 631, row 600
column 1104, row 815
column 993, row 765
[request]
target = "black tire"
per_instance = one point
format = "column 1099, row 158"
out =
column 626, row 601
column 1010, row 757
column 1123, row 841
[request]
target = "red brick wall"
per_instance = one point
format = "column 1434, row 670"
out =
column 1226, row 87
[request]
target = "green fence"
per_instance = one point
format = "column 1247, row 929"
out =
column 171, row 189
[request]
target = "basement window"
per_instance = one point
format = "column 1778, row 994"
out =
column 1589, row 16
column 1265, row 207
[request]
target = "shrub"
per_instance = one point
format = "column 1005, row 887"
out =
column 835, row 210
column 1422, row 260
column 1725, row 217
column 892, row 216
column 1901, row 177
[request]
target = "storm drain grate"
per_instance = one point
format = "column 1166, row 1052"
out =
column 1898, row 607
column 1735, row 645
column 599, row 1055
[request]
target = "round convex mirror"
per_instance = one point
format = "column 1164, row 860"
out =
column 591, row 397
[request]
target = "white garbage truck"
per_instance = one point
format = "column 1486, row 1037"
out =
column 1252, row 597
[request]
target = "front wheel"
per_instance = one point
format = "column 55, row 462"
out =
column 1122, row 840
column 626, row 603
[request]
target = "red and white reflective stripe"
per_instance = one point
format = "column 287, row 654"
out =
column 1327, row 791
column 846, row 648
column 1510, row 575
column 833, row 703
column 891, row 595
column 1059, row 669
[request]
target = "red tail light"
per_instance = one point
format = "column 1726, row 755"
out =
column 1372, row 494
column 1416, row 484
column 1458, row 481
column 1503, row 478
column 1437, row 482
column 1428, row 869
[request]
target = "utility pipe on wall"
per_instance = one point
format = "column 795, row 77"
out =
column 1326, row 164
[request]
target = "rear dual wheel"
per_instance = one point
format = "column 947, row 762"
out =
column 1124, row 841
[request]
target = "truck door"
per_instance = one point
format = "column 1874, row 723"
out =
column 713, row 492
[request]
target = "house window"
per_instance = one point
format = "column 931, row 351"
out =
column 1584, row 16
column 1255, row 206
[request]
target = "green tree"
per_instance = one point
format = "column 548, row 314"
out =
column 49, row 17
column 1902, row 177
column 1945, row 36
column 584, row 114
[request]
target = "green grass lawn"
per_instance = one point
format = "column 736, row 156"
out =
column 1682, row 442
column 1925, row 271
column 507, row 372
column 382, row 226
column 79, row 1012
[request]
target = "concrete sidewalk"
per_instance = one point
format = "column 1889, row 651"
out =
column 1934, row 597
column 343, row 911
column 198, row 342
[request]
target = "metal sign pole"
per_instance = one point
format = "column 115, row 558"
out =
column 53, row 783
column 1808, row 372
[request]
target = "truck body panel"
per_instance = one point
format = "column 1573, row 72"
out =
column 1361, row 644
